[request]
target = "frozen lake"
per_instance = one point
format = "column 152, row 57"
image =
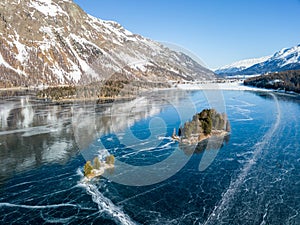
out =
column 251, row 177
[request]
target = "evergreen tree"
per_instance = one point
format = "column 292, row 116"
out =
column 88, row 168
column 228, row 127
column 97, row 163
column 110, row 160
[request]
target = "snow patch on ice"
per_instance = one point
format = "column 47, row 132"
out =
column 238, row 86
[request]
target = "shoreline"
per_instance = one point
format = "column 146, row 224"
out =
column 30, row 88
column 98, row 172
column 99, row 100
column 198, row 85
column 17, row 89
column 199, row 137
column 205, row 85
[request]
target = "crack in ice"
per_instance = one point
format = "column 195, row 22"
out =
column 214, row 217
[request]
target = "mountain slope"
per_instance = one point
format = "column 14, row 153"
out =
column 283, row 60
column 55, row 42
column 240, row 65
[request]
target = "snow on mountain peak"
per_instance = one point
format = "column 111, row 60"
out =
column 245, row 63
column 285, row 52
column 287, row 56
column 285, row 59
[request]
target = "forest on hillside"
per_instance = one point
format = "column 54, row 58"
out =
column 109, row 89
column 287, row 81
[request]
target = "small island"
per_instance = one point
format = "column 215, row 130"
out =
column 98, row 167
column 204, row 125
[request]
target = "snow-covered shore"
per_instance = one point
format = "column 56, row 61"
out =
column 238, row 85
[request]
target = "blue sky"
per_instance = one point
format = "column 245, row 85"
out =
column 218, row 32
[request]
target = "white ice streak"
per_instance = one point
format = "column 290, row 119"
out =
column 106, row 206
column 6, row 204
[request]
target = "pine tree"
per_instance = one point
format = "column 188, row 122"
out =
column 88, row 168
column 97, row 163
column 228, row 127
column 110, row 160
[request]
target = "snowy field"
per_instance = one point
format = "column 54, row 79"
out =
column 222, row 86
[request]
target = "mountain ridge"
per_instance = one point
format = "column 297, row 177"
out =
column 283, row 60
column 240, row 65
column 55, row 42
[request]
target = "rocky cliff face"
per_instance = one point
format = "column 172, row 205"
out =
column 55, row 42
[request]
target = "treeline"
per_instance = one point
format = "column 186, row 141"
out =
column 287, row 81
column 109, row 89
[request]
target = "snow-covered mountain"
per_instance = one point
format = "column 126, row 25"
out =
column 285, row 59
column 55, row 42
column 240, row 65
